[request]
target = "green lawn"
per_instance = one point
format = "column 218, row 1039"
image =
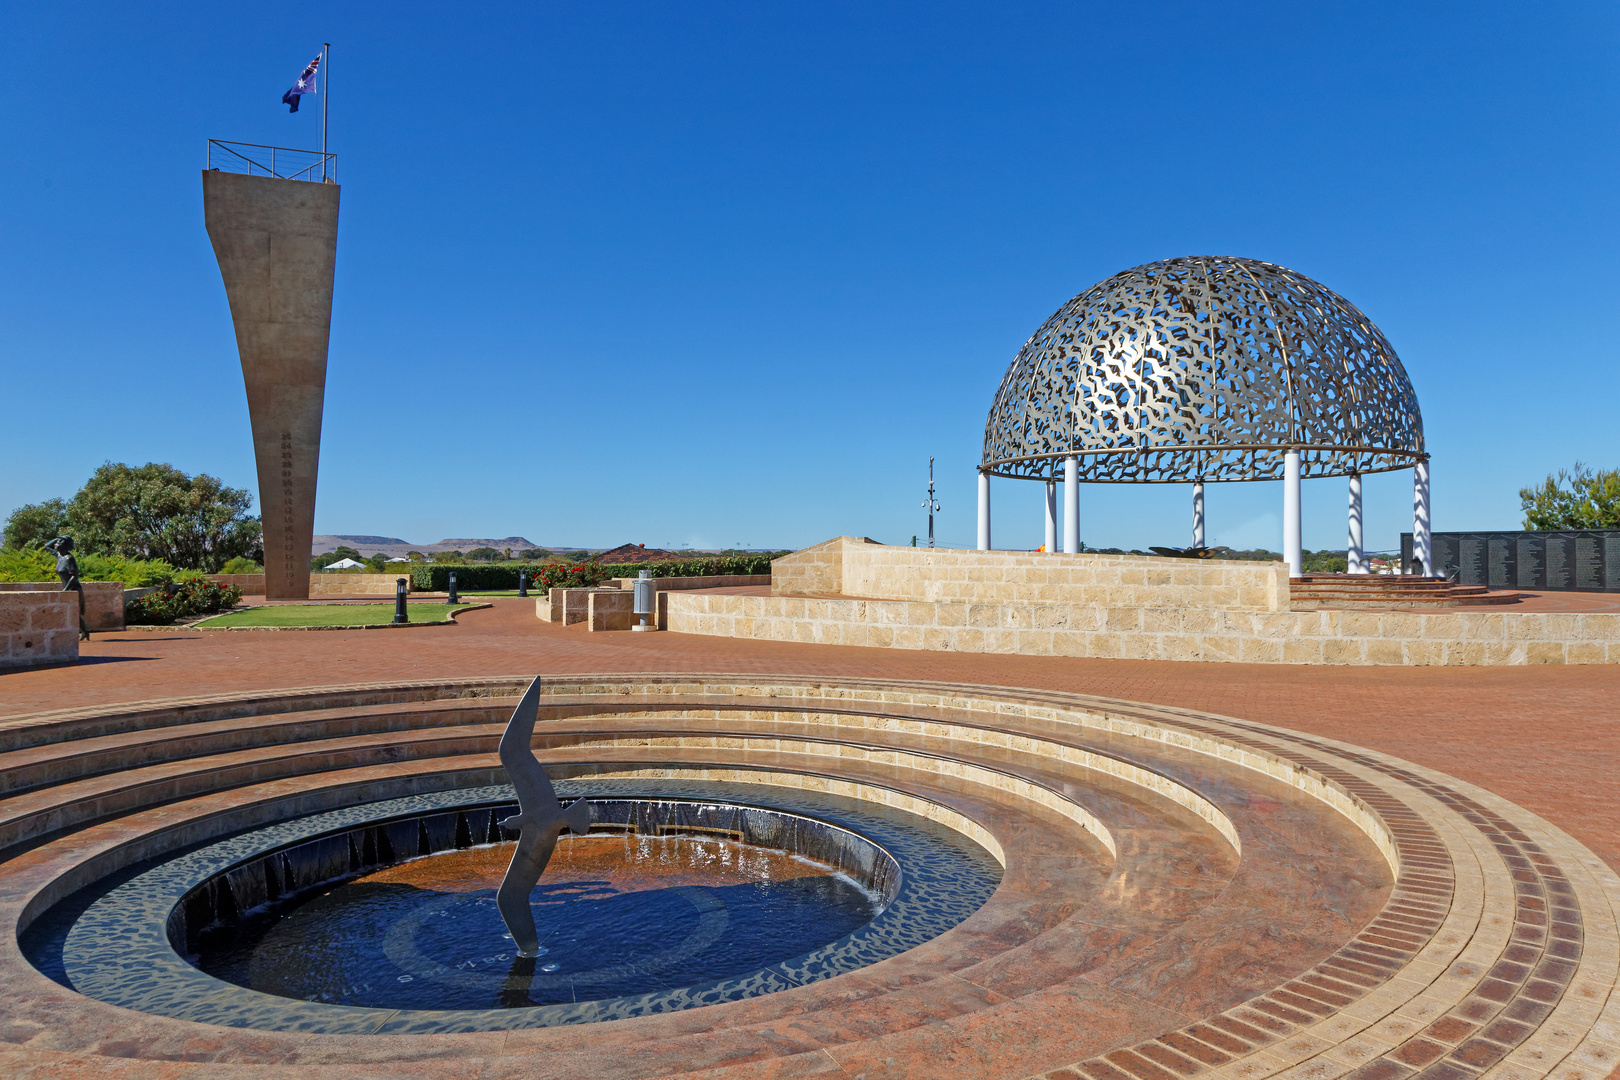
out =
column 331, row 615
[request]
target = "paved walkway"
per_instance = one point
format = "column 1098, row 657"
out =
column 1547, row 738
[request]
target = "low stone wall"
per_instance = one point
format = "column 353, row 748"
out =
column 1169, row 633
column 335, row 584
column 718, row 581
column 103, row 601
column 569, row 606
column 250, row 584
column 857, row 566
column 39, row 626
column 609, row 609
column 355, row 584
column 816, row 569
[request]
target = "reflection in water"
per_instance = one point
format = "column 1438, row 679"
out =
column 616, row 916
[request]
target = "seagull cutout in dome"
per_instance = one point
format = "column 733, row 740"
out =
column 538, row 823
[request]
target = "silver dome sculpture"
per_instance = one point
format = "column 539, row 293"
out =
column 1205, row 368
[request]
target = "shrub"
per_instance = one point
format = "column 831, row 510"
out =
column 32, row 564
column 241, row 565
column 194, row 596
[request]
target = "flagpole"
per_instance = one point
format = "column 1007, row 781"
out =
column 326, row 99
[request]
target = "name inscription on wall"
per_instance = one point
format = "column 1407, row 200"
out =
column 1586, row 560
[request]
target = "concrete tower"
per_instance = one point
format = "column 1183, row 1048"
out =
column 276, row 241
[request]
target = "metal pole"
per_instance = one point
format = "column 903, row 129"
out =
column 1293, row 545
column 932, row 504
column 1422, row 553
column 1353, row 552
column 984, row 510
column 326, row 100
column 1071, row 505
column 1198, row 514
column 1050, row 538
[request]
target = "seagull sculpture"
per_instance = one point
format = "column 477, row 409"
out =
column 538, row 823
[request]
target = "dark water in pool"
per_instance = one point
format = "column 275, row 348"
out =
column 617, row 916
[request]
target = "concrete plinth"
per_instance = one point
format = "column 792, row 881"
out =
column 276, row 242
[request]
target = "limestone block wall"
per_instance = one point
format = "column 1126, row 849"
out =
column 719, row 581
column 856, row 566
column 569, row 606
column 103, row 601
column 250, row 584
column 38, row 626
column 817, row 569
column 354, row 584
column 609, row 609
column 1455, row 637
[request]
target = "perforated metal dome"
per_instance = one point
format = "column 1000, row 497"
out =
column 1206, row 367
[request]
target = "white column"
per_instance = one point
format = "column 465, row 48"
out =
column 1198, row 514
column 984, row 510
column 1071, row 504
column 1353, row 551
column 1292, row 532
column 1051, row 516
column 1421, row 548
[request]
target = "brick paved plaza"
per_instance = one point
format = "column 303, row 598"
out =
column 1546, row 737
column 1279, row 893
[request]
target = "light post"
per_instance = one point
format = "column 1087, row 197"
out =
column 400, row 618
column 930, row 503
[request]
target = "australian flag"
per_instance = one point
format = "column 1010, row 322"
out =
column 304, row 85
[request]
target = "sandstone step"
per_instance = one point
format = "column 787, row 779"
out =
column 1275, row 954
column 1400, row 592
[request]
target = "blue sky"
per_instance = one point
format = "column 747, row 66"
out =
column 721, row 274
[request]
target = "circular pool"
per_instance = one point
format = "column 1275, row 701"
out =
column 683, row 894
column 667, row 894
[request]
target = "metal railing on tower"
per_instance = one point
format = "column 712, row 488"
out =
column 280, row 162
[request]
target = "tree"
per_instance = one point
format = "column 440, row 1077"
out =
column 32, row 525
column 483, row 554
column 415, row 556
column 321, row 562
column 1582, row 499
column 148, row 512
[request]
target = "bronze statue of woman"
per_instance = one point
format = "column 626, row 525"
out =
column 67, row 568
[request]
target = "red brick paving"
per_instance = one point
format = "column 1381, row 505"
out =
column 1548, row 738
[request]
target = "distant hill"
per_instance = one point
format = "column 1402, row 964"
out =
column 393, row 546
column 353, row 540
column 516, row 543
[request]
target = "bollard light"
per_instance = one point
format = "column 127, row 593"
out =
column 400, row 618
column 644, row 601
column 523, row 583
column 452, row 586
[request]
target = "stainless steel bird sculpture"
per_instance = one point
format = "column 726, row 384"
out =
column 538, row 823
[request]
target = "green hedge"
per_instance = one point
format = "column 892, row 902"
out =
column 36, row 564
column 435, row 577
